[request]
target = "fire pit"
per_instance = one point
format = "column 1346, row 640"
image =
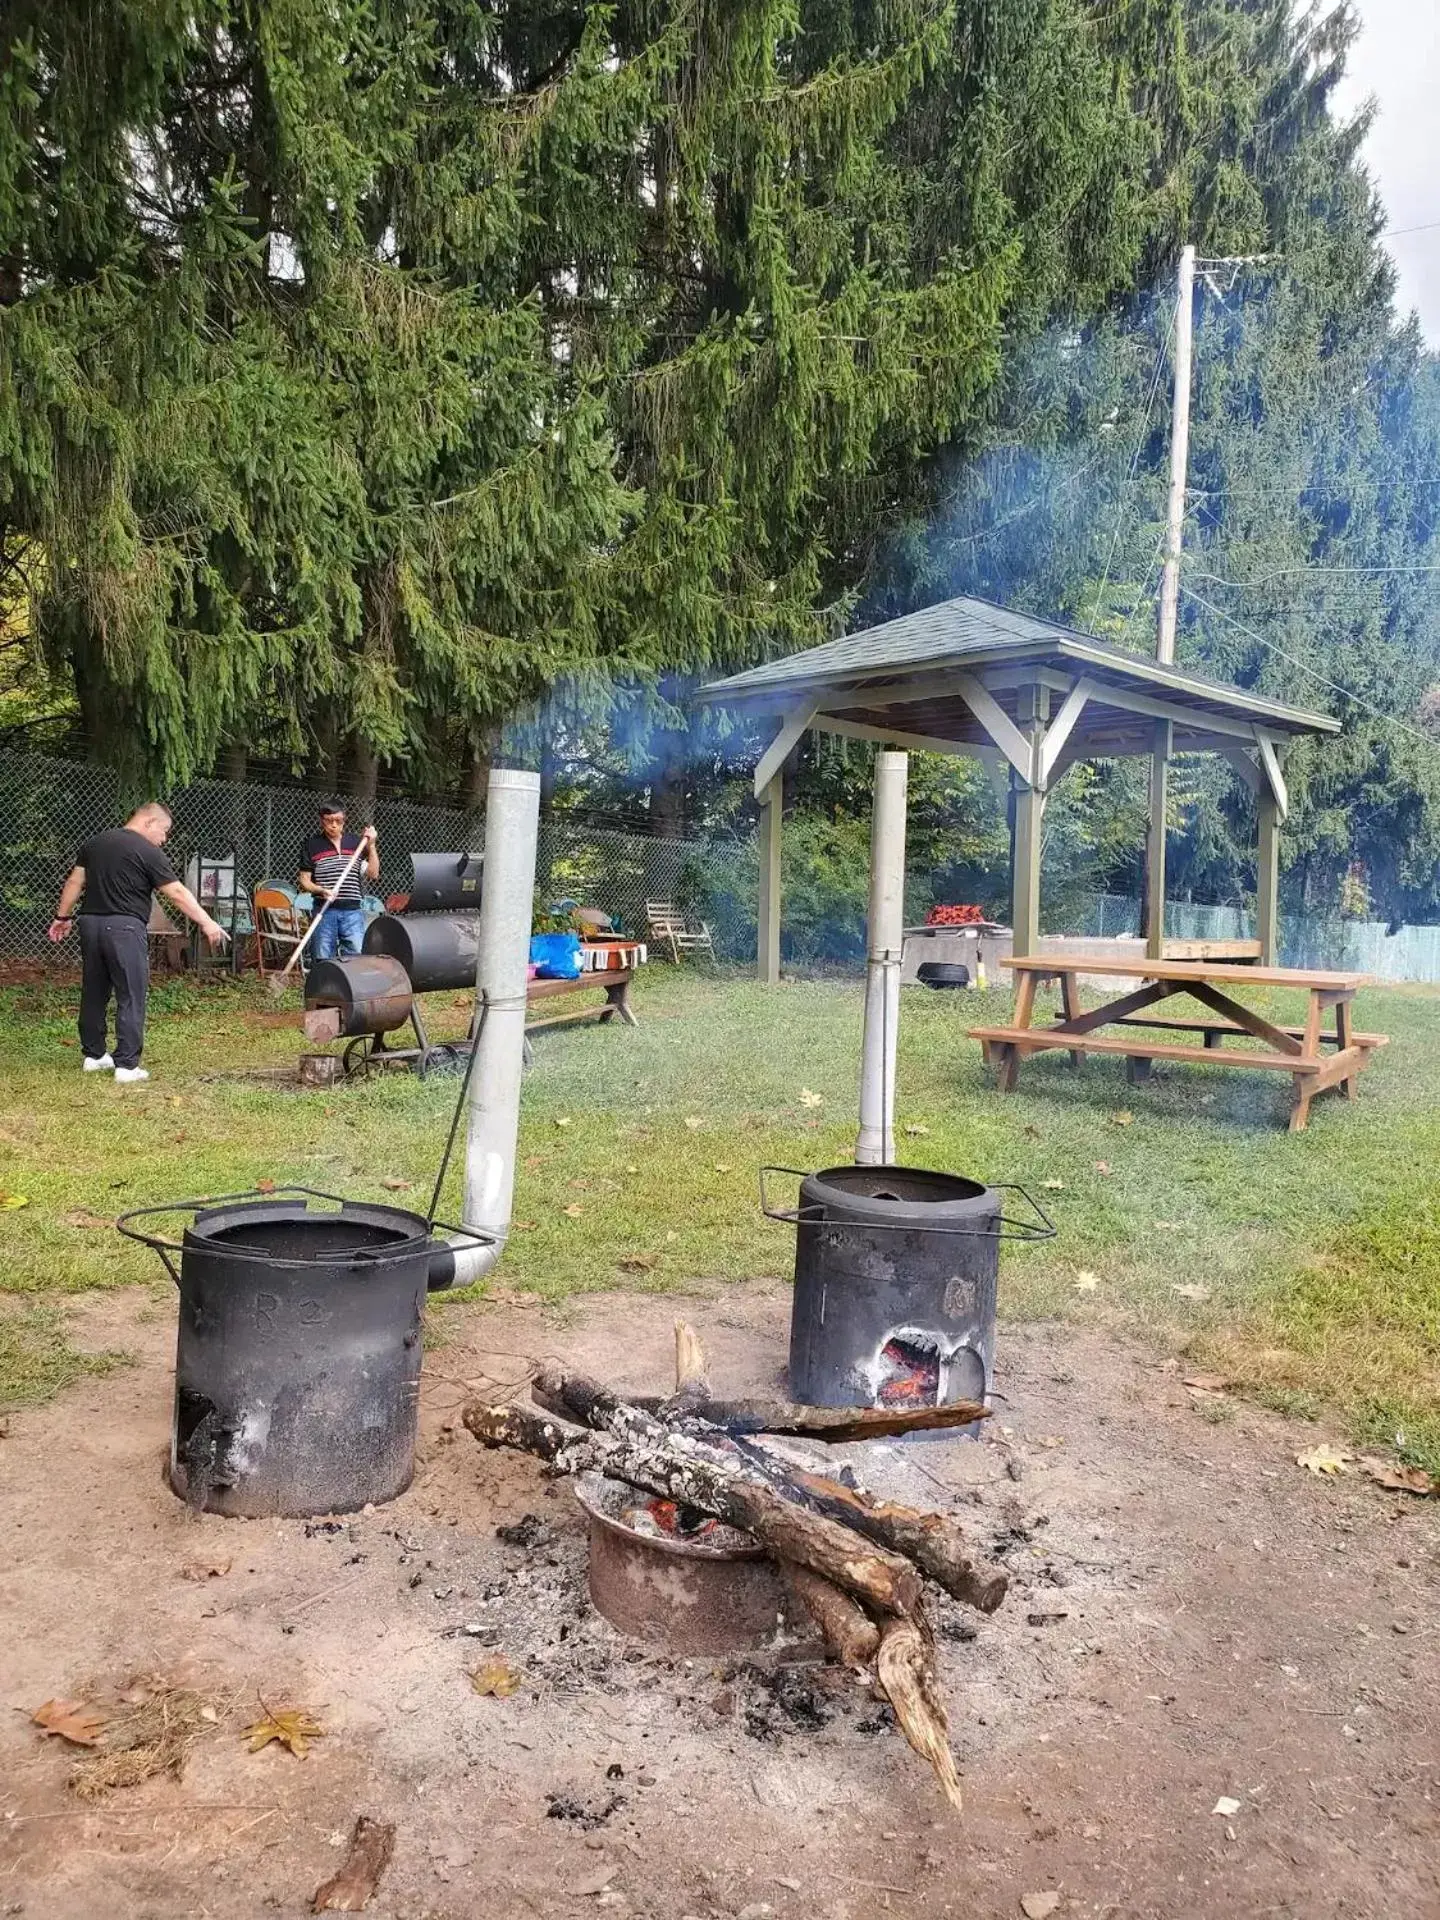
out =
column 663, row 1572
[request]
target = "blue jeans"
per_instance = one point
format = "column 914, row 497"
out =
column 340, row 932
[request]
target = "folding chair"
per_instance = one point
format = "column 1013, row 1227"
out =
column 665, row 923
column 278, row 926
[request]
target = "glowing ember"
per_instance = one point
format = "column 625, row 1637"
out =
column 685, row 1522
column 914, row 1375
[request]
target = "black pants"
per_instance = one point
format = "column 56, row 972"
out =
column 115, row 956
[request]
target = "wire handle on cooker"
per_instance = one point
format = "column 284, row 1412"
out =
column 1003, row 1227
column 158, row 1243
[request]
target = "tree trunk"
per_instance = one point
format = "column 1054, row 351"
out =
column 362, row 778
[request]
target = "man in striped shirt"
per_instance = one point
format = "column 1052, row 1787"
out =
column 322, row 861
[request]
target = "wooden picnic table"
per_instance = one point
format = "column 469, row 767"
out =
column 1292, row 1050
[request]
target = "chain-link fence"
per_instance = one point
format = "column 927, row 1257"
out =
column 47, row 807
column 223, row 828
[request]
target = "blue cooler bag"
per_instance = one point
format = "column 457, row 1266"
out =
column 556, row 955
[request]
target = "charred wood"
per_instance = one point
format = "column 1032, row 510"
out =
column 647, row 1454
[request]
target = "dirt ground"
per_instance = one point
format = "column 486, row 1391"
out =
column 1192, row 1617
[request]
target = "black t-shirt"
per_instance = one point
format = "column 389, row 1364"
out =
column 319, row 858
column 122, row 871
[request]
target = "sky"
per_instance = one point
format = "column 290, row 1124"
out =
column 1397, row 60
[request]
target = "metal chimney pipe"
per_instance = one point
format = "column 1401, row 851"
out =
column 512, row 822
column 886, row 935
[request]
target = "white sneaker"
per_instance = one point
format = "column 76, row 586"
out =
column 127, row 1076
column 103, row 1065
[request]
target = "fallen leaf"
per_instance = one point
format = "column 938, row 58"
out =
column 916, row 1130
column 349, row 1891
column 574, row 1209
column 693, row 1123
column 593, row 1883
column 1086, row 1282
column 1226, row 1806
column 90, row 1222
column 639, row 1262
column 1032, row 1130
column 524, row 1226
column 562, row 1120
column 1192, row 1290
column 672, row 1235
column 722, row 1166
column 9, row 1201
column 1397, row 1479
column 205, row 1569
column 265, row 1186
column 495, row 1677
column 69, row 1720
column 1038, row 1906
column 809, row 1099
column 1122, row 1119
column 1053, row 1185
column 292, row 1727
column 1170, row 1226
column 1323, row 1459
column 632, row 1169
column 1205, row 1382
column 1102, row 1166
column 396, row 1186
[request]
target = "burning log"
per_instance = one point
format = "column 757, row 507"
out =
column 935, row 1544
column 829, row 1424
column 905, row 1668
column 692, row 1395
column 691, row 1384
column 650, row 1455
column 850, row 1635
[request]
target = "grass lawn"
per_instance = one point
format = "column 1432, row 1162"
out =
column 1311, row 1263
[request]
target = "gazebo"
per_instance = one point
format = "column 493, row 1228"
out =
column 1028, row 698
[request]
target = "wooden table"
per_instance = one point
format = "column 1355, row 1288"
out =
column 1292, row 1050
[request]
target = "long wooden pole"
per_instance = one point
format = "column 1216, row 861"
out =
column 1170, row 600
column 1179, row 459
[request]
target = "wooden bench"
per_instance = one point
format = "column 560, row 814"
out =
column 616, row 984
column 1284, row 1049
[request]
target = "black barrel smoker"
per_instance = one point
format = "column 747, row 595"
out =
column 429, row 948
column 896, row 1270
column 297, row 1359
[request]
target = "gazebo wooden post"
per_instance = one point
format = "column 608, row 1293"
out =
column 1267, row 880
column 1155, row 841
column 767, row 944
column 1034, row 703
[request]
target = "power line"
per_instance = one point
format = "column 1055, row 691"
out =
column 1394, row 233
column 1123, row 501
column 1282, row 573
column 1279, row 491
column 1334, row 686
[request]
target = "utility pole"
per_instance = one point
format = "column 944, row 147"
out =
column 1169, row 604
column 1179, row 458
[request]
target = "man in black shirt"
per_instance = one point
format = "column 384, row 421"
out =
column 323, row 858
column 117, row 872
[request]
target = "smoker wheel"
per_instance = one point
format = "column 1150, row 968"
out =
column 943, row 973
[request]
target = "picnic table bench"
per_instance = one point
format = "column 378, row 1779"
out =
column 1292, row 1050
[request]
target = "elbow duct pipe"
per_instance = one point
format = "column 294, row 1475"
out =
column 512, row 821
column 875, row 1145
